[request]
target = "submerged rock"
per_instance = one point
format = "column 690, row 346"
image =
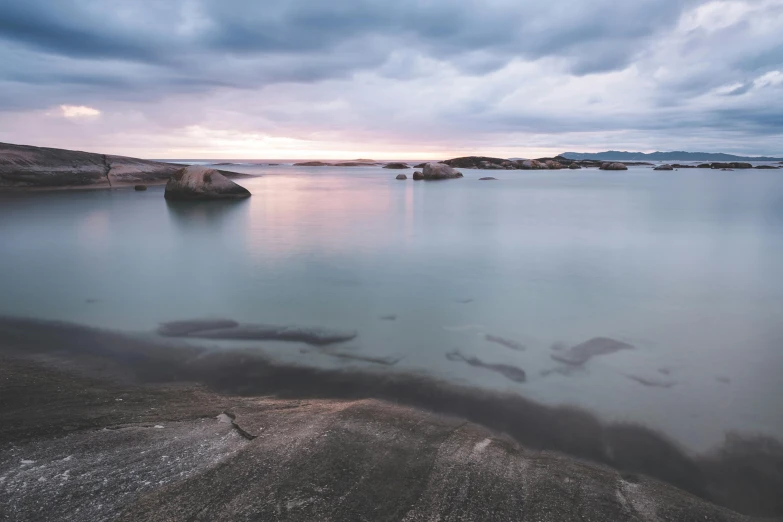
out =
column 488, row 178
column 197, row 182
column 664, row 167
column 581, row 353
column 653, row 383
column 401, row 176
column 231, row 330
column 508, row 343
column 509, row 372
column 433, row 171
column 183, row 328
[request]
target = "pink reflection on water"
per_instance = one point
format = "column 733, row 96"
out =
column 292, row 215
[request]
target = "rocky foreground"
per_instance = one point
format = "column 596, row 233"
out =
column 27, row 167
column 105, row 426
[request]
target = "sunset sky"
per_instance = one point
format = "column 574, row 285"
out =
column 391, row 79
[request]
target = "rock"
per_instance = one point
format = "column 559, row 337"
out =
column 435, row 171
column 489, row 178
column 183, row 328
column 418, row 175
column 420, row 165
column 412, row 455
column 256, row 332
column 140, row 188
column 401, row 176
column 24, row 166
column 553, row 165
column 312, row 164
column 509, row 372
column 581, row 353
column 508, row 343
column 613, row 166
column 732, row 165
column 479, row 162
column 664, row 167
column 704, row 166
column 396, row 166
column 197, row 182
column 531, row 165
column 766, row 167
column 351, row 164
column 574, row 166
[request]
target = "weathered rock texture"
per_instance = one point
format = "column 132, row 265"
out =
column 104, row 426
column 435, row 171
column 24, row 166
column 198, row 182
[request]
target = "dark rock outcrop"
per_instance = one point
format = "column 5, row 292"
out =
column 479, row 162
column 488, row 178
column 418, row 175
column 24, row 166
column 312, row 164
column 197, row 182
column 732, row 165
column 396, row 166
column 613, row 166
column 351, row 164
column 436, row 171
column 704, row 166
column 766, row 167
column 140, row 188
column 401, row 176
column 664, row 167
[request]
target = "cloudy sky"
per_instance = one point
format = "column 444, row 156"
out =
column 391, row 79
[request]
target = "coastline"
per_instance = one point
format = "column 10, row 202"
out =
column 166, row 430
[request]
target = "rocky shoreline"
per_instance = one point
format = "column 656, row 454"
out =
column 24, row 167
column 111, row 426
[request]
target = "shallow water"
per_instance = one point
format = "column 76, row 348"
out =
column 684, row 265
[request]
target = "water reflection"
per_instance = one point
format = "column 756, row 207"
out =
column 199, row 215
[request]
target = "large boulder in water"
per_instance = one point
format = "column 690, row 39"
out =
column 199, row 182
column 439, row 171
column 613, row 166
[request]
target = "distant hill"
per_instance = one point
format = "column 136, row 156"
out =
column 662, row 156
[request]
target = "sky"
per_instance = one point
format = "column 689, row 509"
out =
column 424, row 79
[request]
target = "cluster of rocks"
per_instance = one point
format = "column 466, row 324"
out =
column 356, row 163
column 718, row 166
column 554, row 163
column 433, row 171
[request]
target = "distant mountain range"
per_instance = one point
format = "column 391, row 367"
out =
column 676, row 155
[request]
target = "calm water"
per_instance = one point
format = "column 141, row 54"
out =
column 684, row 265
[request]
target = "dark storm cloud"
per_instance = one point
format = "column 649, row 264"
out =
column 595, row 36
column 446, row 68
